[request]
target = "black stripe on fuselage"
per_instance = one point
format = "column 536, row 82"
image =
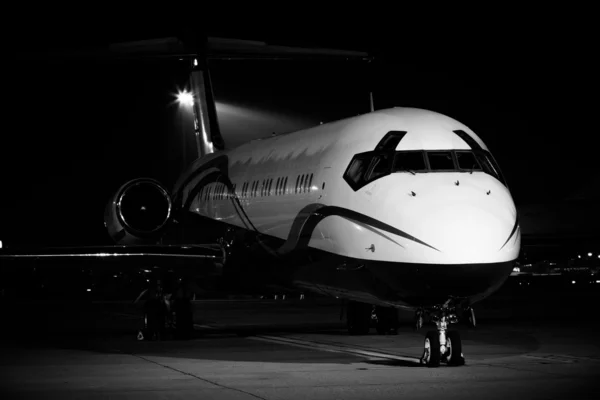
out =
column 308, row 218
column 514, row 230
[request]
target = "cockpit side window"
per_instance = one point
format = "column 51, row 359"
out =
column 490, row 166
column 356, row 171
column 381, row 165
column 467, row 161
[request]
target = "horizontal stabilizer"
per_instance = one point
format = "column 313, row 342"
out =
column 173, row 47
column 222, row 48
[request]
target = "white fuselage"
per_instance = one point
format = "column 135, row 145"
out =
column 464, row 216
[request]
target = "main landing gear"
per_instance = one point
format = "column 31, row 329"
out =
column 442, row 345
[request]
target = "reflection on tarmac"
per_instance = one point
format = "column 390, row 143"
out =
column 277, row 350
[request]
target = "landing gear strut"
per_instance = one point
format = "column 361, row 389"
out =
column 441, row 345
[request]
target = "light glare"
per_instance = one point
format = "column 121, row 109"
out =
column 185, row 98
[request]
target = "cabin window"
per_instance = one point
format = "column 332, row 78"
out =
column 301, row 186
column 285, row 184
column 297, row 181
column 310, row 183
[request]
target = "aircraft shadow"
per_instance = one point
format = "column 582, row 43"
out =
column 396, row 363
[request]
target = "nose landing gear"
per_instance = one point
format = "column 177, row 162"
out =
column 441, row 345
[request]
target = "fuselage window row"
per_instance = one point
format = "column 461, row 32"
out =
column 258, row 188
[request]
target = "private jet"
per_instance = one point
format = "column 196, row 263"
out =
column 399, row 208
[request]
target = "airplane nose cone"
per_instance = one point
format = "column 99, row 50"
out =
column 467, row 234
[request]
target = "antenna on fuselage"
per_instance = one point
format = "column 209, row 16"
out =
column 371, row 83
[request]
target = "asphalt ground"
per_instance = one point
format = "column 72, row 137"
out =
column 531, row 341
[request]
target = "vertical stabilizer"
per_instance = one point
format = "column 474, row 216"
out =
column 206, row 126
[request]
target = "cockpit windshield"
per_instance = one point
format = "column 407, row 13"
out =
column 409, row 161
column 367, row 167
column 440, row 160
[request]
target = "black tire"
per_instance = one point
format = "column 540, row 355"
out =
column 434, row 350
column 455, row 357
column 358, row 318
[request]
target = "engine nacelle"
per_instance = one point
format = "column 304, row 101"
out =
column 138, row 212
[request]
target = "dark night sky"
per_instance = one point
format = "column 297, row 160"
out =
column 75, row 131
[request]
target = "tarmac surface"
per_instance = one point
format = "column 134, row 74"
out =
column 292, row 349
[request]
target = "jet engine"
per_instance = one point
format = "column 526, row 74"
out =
column 138, row 212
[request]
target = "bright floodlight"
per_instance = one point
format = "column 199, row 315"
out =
column 185, row 98
column 589, row 254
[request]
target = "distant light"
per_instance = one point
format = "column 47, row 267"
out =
column 185, row 98
column 115, row 276
column 589, row 254
column 89, row 290
column 598, row 254
column 195, row 62
column 573, row 282
column 597, row 281
column 578, row 256
column 0, row 244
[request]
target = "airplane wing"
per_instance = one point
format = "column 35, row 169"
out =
column 213, row 253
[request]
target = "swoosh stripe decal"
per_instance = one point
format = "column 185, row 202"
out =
column 514, row 230
column 308, row 218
